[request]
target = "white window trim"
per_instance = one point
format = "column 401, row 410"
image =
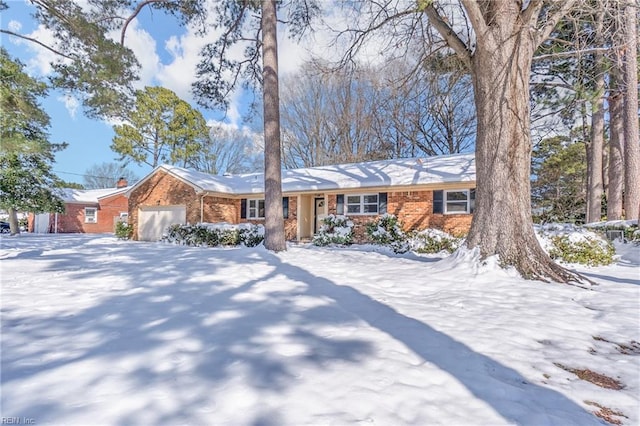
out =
column 361, row 204
column 95, row 215
column 446, row 203
column 257, row 208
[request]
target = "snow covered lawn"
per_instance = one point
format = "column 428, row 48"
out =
column 104, row 332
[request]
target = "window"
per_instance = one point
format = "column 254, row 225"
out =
column 362, row 204
column 454, row 202
column 255, row 209
column 90, row 215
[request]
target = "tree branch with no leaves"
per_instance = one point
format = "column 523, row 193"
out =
column 449, row 35
column 38, row 42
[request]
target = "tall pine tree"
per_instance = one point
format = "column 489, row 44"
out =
column 27, row 182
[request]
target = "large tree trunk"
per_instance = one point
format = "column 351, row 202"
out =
column 274, row 220
column 502, row 224
column 14, row 226
column 616, row 158
column 596, row 141
column 631, row 127
column 594, row 154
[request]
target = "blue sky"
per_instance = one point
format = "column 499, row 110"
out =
column 168, row 54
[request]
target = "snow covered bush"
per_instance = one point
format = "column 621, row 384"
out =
column 336, row 229
column 628, row 229
column 434, row 241
column 252, row 235
column 387, row 231
column 213, row 235
column 572, row 244
column 123, row 230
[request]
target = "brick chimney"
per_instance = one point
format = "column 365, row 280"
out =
column 122, row 183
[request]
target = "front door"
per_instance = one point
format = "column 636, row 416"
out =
column 318, row 214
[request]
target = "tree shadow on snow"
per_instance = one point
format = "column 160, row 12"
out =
column 503, row 388
column 174, row 323
column 179, row 324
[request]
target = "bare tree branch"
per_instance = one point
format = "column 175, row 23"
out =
column 568, row 54
column 531, row 12
column 134, row 14
column 552, row 21
column 51, row 49
column 475, row 16
column 450, row 36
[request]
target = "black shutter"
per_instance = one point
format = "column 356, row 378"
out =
column 340, row 204
column 472, row 200
column 382, row 203
column 243, row 208
column 285, row 207
column 438, row 202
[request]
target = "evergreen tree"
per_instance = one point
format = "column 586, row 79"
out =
column 162, row 128
column 27, row 182
column 558, row 187
column 103, row 70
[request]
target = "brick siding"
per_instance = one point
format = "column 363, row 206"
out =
column 162, row 189
column 73, row 219
column 414, row 209
column 290, row 224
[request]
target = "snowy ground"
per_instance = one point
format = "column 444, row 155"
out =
column 104, row 332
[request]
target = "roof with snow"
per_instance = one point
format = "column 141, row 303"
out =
column 88, row 196
column 399, row 172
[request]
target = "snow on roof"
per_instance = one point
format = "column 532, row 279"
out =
column 399, row 172
column 71, row 195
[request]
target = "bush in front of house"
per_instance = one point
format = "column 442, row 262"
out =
column 628, row 228
column 123, row 231
column 433, row 241
column 572, row 244
column 335, row 229
column 387, row 231
column 214, row 235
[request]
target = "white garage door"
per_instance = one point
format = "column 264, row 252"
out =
column 153, row 221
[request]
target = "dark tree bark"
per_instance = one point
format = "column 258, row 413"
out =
column 500, row 65
column 595, row 147
column 274, row 219
column 14, row 226
column 631, row 127
column 616, row 157
column 595, row 144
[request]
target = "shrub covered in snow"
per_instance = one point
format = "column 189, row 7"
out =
column 434, row 241
column 387, row 231
column 212, row 235
column 628, row 228
column 335, row 229
column 571, row 244
column 123, row 230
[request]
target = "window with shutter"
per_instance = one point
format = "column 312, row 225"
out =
column 438, row 205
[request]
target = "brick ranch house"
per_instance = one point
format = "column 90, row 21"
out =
column 434, row 192
column 90, row 211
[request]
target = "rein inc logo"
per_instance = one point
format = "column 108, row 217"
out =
column 18, row 421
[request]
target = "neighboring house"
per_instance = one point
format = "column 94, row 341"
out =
column 89, row 211
column 436, row 192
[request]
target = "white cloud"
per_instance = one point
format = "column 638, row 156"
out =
column 143, row 46
column 181, row 71
column 71, row 103
column 14, row 26
column 40, row 63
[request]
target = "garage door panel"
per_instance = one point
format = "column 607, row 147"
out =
column 154, row 221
